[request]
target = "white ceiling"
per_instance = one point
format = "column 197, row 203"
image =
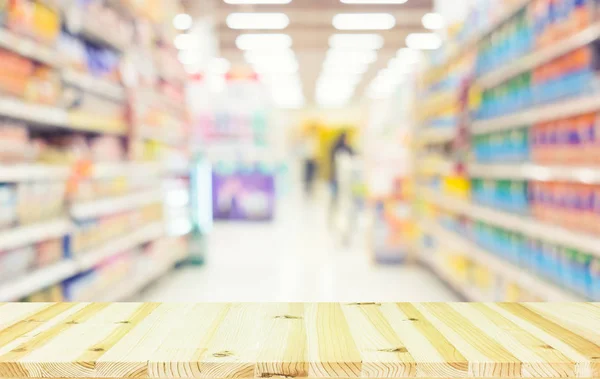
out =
column 310, row 28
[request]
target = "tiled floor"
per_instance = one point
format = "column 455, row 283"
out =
column 294, row 258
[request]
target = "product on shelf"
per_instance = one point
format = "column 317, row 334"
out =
column 566, row 267
column 33, row 19
column 505, row 146
column 18, row 262
column 510, row 195
column 52, row 294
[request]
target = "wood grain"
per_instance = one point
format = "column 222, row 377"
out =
column 288, row 340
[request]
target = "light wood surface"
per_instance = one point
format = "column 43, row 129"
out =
column 325, row 340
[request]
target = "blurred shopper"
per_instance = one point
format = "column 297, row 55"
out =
column 341, row 149
column 310, row 149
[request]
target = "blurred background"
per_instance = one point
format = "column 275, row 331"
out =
column 299, row 150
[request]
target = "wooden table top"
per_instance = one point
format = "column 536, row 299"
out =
column 326, row 340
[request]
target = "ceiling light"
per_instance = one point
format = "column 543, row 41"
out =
column 182, row 21
column 237, row 2
column 408, row 56
column 263, row 41
column 433, row 21
column 356, row 41
column 276, row 69
column 364, row 21
column 219, row 66
column 347, row 57
column 258, row 56
column 258, row 21
column 183, row 41
column 374, row 1
column 187, row 57
column 423, row 41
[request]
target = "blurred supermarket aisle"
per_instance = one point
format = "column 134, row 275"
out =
column 293, row 259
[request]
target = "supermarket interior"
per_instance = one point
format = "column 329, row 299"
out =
column 299, row 150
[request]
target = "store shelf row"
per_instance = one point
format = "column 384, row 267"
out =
column 129, row 289
column 30, row 234
column 542, row 113
column 430, row 135
column 42, row 172
column 529, row 171
column 522, row 224
column 33, row 172
column 107, row 206
column 29, row 48
column 50, row 116
column 94, row 85
column 539, row 57
column 58, row 272
column 478, row 36
column 469, row 293
column 508, row 271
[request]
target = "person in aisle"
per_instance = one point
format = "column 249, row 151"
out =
column 309, row 155
column 341, row 149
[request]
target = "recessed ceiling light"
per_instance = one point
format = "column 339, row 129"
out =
column 183, row 41
column 182, row 21
column 189, row 56
column 374, row 1
column 237, row 2
column 423, row 41
column 350, row 57
column 363, row 21
column 433, row 21
column 356, row 41
column 258, row 21
column 219, row 66
column 263, row 41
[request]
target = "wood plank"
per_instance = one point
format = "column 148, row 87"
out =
column 331, row 350
column 582, row 319
column 284, row 350
column 234, row 348
column 434, row 354
column 486, row 356
column 575, row 347
column 179, row 355
column 383, row 353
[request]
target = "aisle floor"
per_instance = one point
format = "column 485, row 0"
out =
column 294, row 258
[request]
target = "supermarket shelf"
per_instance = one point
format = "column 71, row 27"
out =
column 29, row 48
column 528, row 171
column 32, row 113
column 37, row 280
column 526, row 225
column 537, row 58
column 103, row 207
column 436, row 135
column 468, row 292
column 33, row 172
column 553, row 111
column 92, row 31
column 127, row 290
column 490, row 28
column 100, row 87
column 111, row 170
column 140, row 236
column 30, row 234
column 541, row 288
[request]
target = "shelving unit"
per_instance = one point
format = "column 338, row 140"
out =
column 30, row 234
column 529, row 171
column 508, row 271
column 523, row 224
column 99, row 114
column 103, row 207
column 491, row 133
